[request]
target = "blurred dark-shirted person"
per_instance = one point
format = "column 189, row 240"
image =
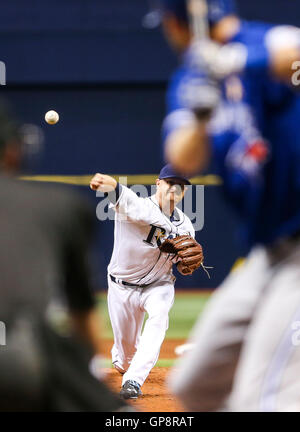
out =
column 44, row 251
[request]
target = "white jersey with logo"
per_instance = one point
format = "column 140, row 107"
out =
column 140, row 227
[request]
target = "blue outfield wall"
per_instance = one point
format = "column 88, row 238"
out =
column 106, row 75
column 71, row 41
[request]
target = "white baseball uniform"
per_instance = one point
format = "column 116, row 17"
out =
column 140, row 225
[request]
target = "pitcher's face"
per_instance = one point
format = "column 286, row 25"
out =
column 170, row 192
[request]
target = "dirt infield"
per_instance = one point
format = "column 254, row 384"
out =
column 166, row 352
column 156, row 397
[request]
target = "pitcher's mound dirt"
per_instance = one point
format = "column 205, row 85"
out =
column 156, row 397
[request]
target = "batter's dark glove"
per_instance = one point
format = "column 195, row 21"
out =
column 188, row 250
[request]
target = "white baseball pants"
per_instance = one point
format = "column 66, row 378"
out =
column 134, row 352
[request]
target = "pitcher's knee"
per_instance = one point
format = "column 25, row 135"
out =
column 159, row 318
column 160, row 313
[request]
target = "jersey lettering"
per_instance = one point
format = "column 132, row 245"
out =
column 151, row 234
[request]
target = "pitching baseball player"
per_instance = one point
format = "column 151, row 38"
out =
column 234, row 101
column 150, row 235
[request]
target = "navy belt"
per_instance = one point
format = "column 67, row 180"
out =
column 118, row 281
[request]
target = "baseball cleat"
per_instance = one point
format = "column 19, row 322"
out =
column 131, row 390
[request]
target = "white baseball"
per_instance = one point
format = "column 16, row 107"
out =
column 51, row 117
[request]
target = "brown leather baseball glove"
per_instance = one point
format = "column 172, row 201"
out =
column 188, row 250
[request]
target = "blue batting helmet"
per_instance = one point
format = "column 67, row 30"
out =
column 217, row 9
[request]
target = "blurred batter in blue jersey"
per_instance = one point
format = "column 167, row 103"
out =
column 234, row 102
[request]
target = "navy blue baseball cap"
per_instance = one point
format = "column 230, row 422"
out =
column 217, row 9
column 167, row 172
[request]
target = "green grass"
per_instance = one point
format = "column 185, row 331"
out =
column 185, row 311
